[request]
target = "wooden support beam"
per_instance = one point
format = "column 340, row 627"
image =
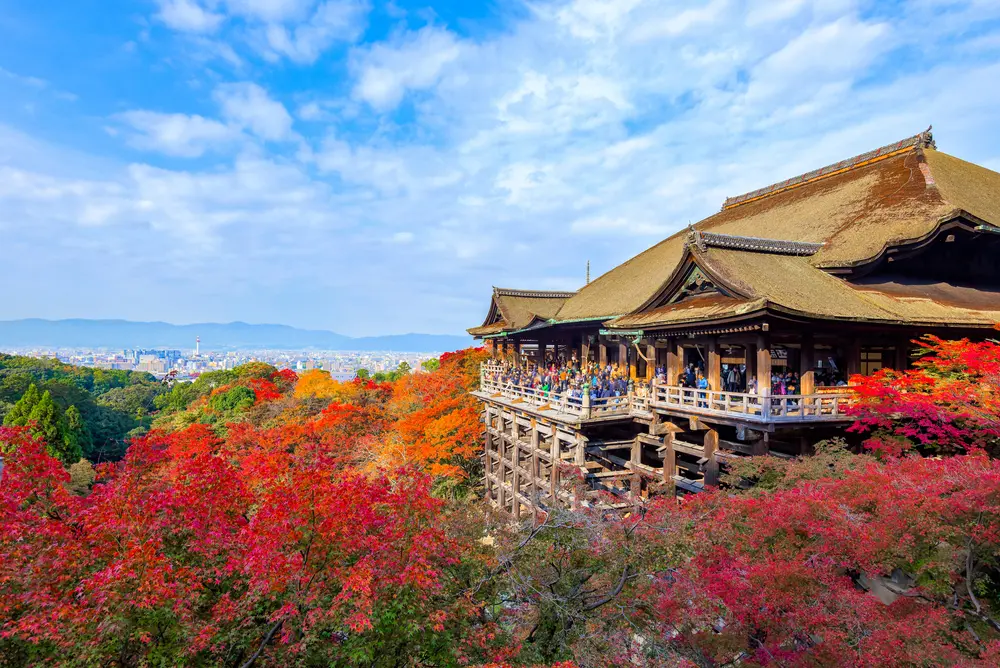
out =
column 669, row 462
column 486, row 450
column 554, row 467
column 807, row 365
column 714, row 365
column 712, row 465
column 675, row 360
column 533, row 495
column 763, row 364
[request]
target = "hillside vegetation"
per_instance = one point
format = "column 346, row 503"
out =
column 271, row 519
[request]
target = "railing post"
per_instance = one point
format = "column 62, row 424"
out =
column 764, row 393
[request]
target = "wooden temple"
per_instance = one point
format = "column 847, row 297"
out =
column 829, row 274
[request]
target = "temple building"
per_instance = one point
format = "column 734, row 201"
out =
column 826, row 275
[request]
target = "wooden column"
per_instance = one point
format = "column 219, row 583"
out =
column 602, row 349
column 807, row 362
column 584, row 351
column 501, row 473
column 650, row 361
column 712, row 465
column 486, row 447
column 713, row 366
column 635, row 483
column 852, row 362
column 763, row 364
column 515, row 474
column 554, row 469
column 533, row 494
column 669, row 462
column 675, row 360
column 623, row 359
column 902, row 354
column 517, row 352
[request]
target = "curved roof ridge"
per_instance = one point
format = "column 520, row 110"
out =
column 923, row 140
column 542, row 294
column 703, row 240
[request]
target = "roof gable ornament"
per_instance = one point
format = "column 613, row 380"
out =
column 702, row 241
column 923, row 140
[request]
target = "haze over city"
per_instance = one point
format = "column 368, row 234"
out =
column 375, row 167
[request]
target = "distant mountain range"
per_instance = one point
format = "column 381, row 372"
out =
column 112, row 334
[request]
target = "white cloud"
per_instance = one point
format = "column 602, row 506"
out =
column 529, row 148
column 333, row 21
column 176, row 134
column 249, row 106
column 412, row 61
column 188, row 16
column 271, row 10
column 33, row 82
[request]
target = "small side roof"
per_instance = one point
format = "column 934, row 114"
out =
column 512, row 310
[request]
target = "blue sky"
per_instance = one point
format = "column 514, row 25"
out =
column 375, row 167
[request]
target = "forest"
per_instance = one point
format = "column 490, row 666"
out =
column 264, row 518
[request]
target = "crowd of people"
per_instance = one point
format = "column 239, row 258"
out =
column 566, row 378
column 571, row 379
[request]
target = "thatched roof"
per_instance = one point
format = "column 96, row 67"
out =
column 779, row 245
column 511, row 310
column 791, row 284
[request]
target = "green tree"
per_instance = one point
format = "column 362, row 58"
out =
column 46, row 422
column 18, row 415
column 431, row 365
column 364, row 374
column 76, row 435
column 233, row 401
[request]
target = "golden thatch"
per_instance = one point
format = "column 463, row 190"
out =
column 844, row 216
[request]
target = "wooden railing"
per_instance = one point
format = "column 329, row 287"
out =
column 762, row 408
column 583, row 407
column 828, row 404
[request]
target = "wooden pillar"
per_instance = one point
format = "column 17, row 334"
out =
column 650, row 361
column 554, row 469
column 635, row 484
column 852, row 359
column 902, row 354
column 713, row 366
column 515, row 475
column 580, row 457
column 584, row 351
column 669, row 462
column 602, row 349
column 807, row 364
column 501, row 473
column 623, row 359
column 675, row 360
column 763, row 364
column 517, row 351
column 533, row 492
column 486, row 447
column 712, row 465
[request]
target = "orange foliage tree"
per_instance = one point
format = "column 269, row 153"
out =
column 437, row 425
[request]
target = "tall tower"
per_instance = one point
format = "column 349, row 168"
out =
column 197, row 346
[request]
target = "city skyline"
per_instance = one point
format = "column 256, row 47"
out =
column 373, row 167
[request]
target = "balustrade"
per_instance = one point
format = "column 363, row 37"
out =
column 825, row 405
